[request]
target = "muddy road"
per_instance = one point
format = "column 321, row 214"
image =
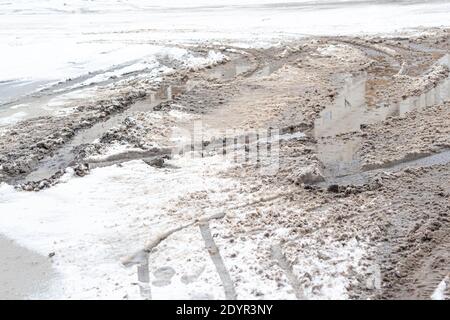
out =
column 340, row 161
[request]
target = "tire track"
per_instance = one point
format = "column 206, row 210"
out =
column 278, row 255
column 213, row 250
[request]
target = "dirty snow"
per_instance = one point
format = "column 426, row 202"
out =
column 90, row 223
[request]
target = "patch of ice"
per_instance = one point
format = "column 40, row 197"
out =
column 140, row 66
column 342, row 52
column 73, row 96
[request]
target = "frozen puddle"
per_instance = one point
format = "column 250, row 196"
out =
column 350, row 111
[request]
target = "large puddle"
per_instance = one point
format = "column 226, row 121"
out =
column 350, row 111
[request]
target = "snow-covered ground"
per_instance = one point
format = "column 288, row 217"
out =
column 46, row 41
column 88, row 226
column 113, row 71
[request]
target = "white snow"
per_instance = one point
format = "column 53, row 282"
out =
column 113, row 149
column 66, row 98
column 140, row 66
column 61, row 60
column 54, row 40
column 185, row 253
column 439, row 292
column 92, row 222
column 14, row 118
column 342, row 52
column 245, row 260
column 3, row 131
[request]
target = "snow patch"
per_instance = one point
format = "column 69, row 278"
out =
column 91, row 222
column 342, row 52
column 439, row 292
column 12, row 119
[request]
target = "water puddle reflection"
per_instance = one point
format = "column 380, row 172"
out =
column 350, row 111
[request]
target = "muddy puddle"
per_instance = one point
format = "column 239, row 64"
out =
column 350, row 111
column 64, row 156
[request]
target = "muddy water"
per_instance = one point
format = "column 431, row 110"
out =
column 23, row 273
column 350, row 111
column 64, row 156
column 363, row 177
column 12, row 90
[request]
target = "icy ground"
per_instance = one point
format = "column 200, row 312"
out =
column 91, row 223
